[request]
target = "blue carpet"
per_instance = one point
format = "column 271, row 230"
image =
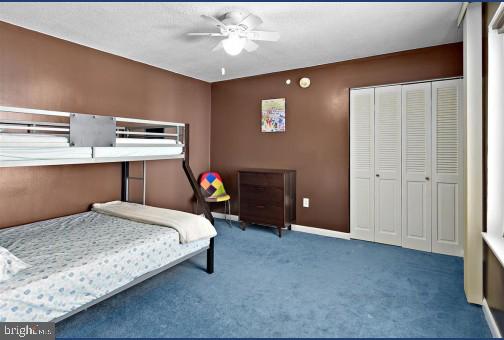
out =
column 299, row 286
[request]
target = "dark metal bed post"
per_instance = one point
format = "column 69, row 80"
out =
column 199, row 197
column 124, row 181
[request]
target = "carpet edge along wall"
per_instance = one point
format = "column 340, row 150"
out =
column 43, row 72
column 316, row 141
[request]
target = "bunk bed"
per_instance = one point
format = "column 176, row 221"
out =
column 79, row 260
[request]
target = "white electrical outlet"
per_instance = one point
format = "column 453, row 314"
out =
column 306, row 202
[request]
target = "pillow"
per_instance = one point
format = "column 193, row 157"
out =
column 9, row 265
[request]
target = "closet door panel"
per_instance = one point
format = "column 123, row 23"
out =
column 414, row 214
column 386, row 202
column 447, row 219
column 362, row 164
column 416, row 166
column 447, row 167
column 388, row 165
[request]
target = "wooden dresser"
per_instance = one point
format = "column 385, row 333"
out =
column 267, row 197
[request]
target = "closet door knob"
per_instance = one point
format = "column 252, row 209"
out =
column 427, row 178
column 377, row 175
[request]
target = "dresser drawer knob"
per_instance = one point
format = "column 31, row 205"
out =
column 260, row 206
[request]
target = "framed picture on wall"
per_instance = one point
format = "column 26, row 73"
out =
column 273, row 115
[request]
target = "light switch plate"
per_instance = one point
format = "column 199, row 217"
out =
column 306, row 202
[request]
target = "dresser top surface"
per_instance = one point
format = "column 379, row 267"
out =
column 269, row 171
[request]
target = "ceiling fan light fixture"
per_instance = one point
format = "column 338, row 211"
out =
column 233, row 45
column 238, row 31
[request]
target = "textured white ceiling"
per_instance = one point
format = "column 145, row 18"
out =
column 311, row 33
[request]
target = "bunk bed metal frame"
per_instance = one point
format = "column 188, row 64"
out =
column 92, row 131
column 194, row 186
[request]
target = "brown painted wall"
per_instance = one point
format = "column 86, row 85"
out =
column 42, row 72
column 316, row 143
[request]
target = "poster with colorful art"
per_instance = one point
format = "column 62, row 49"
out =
column 273, row 115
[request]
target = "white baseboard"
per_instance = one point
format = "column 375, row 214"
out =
column 320, row 231
column 296, row 227
column 223, row 216
column 490, row 320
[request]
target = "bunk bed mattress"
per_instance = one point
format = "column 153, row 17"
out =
column 42, row 140
column 79, row 258
column 34, row 140
column 137, row 151
column 43, row 153
column 21, row 147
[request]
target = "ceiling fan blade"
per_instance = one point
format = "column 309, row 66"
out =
column 250, row 22
column 218, row 46
column 250, row 46
column 263, row 35
column 214, row 20
column 207, row 34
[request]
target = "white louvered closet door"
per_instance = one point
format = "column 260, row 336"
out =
column 447, row 167
column 416, row 166
column 362, row 164
column 388, row 165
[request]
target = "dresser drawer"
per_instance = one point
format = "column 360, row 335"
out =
column 262, row 194
column 262, row 179
column 256, row 212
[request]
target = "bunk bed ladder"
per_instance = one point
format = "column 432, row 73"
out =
column 126, row 178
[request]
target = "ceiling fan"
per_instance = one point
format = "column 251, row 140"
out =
column 238, row 30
